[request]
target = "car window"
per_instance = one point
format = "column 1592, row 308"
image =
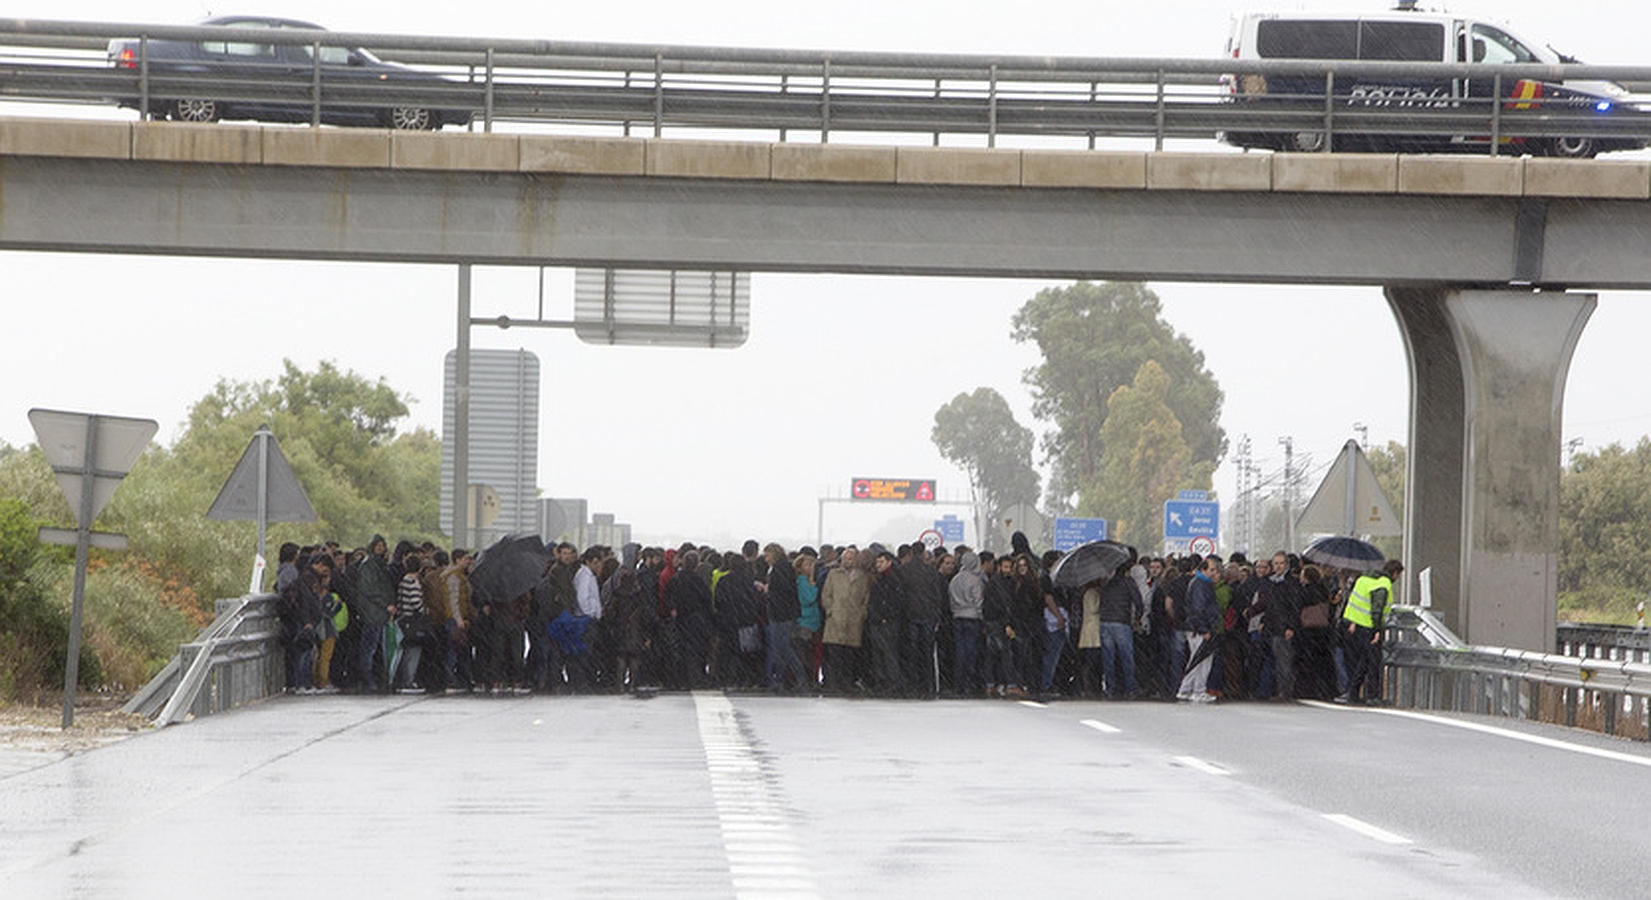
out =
column 229, row 48
column 1493, row 45
column 1402, row 41
column 1306, row 39
column 330, row 56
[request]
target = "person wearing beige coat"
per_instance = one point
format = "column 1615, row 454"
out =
column 844, row 598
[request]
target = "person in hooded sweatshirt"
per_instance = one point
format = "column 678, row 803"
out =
column 967, row 595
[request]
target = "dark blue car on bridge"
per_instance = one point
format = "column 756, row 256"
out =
column 276, row 82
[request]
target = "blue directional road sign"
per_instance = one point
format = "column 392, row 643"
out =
column 950, row 528
column 1070, row 533
column 1186, row 519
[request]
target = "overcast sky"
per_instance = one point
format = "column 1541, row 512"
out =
column 842, row 374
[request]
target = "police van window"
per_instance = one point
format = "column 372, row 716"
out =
column 1306, row 39
column 1493, row 45
column 1402, row 41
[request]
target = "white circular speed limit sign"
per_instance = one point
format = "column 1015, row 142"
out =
column 1203, row 545
column 931, row 539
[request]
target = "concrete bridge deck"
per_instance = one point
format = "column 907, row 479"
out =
column 790, row 162
column 714, row 796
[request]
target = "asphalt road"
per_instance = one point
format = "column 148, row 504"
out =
column 752, row 796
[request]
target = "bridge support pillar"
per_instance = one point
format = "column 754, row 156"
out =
column 1487, row 376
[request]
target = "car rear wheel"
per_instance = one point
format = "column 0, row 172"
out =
column 1573, row 148
column 412, row 118
column 194, row 111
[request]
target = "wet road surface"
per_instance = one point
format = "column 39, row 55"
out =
column 752, row 796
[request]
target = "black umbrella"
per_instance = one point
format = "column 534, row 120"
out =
column 514, row 565
column 1340, row 552
column 1094, row 561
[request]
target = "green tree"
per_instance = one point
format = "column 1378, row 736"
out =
column 978, row 433
column 1094, row 339
column 1604, row 496
column 1389, row 462
column 1145, row 460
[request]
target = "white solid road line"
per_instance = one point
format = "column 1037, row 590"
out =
column 1536, row 739
column 1100, row 726
column 1367, row 829
column 1208, row 768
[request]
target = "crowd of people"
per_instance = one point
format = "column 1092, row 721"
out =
column 911, row 622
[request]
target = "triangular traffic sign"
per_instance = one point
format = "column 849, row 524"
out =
column 1364, row 510
column 285, row 501
column 63, row 439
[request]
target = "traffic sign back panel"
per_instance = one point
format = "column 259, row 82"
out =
column 1070, row 532
column 1191, row 518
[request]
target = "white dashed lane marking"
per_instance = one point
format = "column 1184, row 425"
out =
column 1367, row 829
column 1208, row 768
column 1100, row 726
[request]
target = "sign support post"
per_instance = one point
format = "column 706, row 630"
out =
column 83, row 544
column 89, row 455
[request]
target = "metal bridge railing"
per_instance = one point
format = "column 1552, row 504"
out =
column 236, row 660
column 816, row 95
column 1428, row 667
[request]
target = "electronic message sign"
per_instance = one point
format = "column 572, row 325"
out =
column 906, row 490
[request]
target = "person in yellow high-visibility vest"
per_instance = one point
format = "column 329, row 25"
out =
column 1361, row 620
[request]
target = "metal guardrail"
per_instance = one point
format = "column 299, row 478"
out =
column 236, row 660
column 1604, row 641
column 1428, row 667
column 817, row 93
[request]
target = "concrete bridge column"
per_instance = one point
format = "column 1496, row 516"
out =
column 1488, row 375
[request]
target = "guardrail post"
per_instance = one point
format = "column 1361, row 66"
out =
column 143, row 78
column 825, row 100
column 991, row 106
column 1158, row 115
column 785, row 88
column 1094, row 95
column 1329, row 109
column 1496, row 115
column 315, row 85
column 659, row 94
column 624, row 124
column 487, row 97
column 937, row 92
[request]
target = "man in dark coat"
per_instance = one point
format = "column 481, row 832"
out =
column 688, row 605
column 782, row 607
column 925, row 591
column 883, row 615
column 375, row 592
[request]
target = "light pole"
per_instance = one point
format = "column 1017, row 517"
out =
column 1289, row 490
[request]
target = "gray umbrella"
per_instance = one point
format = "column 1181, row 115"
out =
column 1341, row 552
column 1094, row 561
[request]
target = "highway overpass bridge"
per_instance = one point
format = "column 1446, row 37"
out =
column 1484, row 260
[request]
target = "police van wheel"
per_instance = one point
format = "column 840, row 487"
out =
column 1573, row 148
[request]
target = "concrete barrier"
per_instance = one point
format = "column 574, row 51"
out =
column 708, row 159
column 1083, row 169
column 189, row 142
column 583, row 155
column 1336, row 173
column 367, row 148
column 957, row 165
column 65, row 137
column 834, row 162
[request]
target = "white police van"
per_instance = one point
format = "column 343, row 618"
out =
column 1407, row 35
